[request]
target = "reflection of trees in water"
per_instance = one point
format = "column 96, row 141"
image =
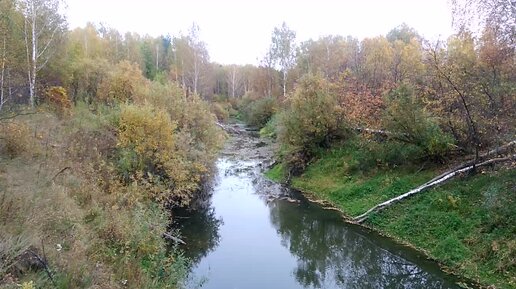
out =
column 198, row 225
column 200, row 230
column 329, row 255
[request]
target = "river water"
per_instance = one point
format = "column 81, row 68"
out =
column 252, row 233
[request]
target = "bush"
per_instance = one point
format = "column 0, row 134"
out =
column 269, row 130
column 86, row 76
column 147, row 147
column 58, row 100
column 257, row 112
column 15, row 138
column 219, row 111
column 410, row 123
column 122, row 84
column 168, row 153
column 313, row 120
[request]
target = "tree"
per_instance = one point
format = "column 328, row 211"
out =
column 475, row 15
column 377, row 58
column 43, row 28
column 267, row 65
column 7, row 8
column 313, row 120
column 234, row 80
column 191, row 61
column 283, row 50
column 409, row 122
column 403, row 33
column 12, row 55
column 197, row 60
column 454, row 69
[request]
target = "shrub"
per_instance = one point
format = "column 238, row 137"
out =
column 145, row 138
column 313, row 120
column 269, row 130
column 410, row 123
column 86, row 76
column 15, row 138
column 219, row 111
column 169, row 154
column 123, row 84
column 258, row 111
column 58, row 100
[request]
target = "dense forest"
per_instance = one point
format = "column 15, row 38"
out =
column 103, row 134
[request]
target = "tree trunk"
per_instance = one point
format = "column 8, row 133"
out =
column 34, row 58
column 284, row 83
column 2, row 74
column 469, row 166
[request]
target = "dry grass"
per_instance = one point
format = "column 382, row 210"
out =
column 58, row 194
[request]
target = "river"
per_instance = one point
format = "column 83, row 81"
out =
column 252, row 233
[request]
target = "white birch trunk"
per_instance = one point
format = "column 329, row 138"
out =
column 284, row 83
column 196, row 73
column 3, row 99
column 34, row 63
column 233, row 81
column 434, row 182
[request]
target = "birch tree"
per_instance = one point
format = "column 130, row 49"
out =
column 43, row 29
column 283, row 50
column 234, row 80
column 11, row 49
column 199, row 58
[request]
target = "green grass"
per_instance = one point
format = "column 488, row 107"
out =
column 359, row 175
column 467, row 224
column 276, row 173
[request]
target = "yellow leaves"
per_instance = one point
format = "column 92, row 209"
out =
column 314, row 115
column 453, row 201
column 15, row 138
column 28, row 285
column 165, row 163
column 57, row 98
column 123, row 83
column 147, row 131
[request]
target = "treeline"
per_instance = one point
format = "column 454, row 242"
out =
column 82, row 60
column 443, row 98
column 452, row 96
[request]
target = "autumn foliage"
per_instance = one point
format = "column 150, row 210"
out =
column 15, row 138
column 57, row 98
column 314, row 119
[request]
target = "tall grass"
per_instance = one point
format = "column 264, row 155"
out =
column 59, row 196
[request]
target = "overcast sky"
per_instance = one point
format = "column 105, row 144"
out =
column 239, row 31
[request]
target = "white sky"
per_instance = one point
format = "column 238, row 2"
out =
column 239, row 31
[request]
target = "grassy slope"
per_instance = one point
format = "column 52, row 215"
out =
column 465, row 224
column 93, row 232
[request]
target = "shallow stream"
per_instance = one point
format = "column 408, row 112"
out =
column 253, row 233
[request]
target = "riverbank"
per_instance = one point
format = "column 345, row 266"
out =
column 72, row 214
column 466, row 225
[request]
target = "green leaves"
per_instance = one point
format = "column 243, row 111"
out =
column 409, row 122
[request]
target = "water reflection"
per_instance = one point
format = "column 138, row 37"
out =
column 200, row 231
column 248, row 236
column 330, row 255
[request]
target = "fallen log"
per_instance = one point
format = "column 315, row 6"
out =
column 175, row 239
column 501, row 150
column 383, row 133
column 435, row 181
column 227, row 129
